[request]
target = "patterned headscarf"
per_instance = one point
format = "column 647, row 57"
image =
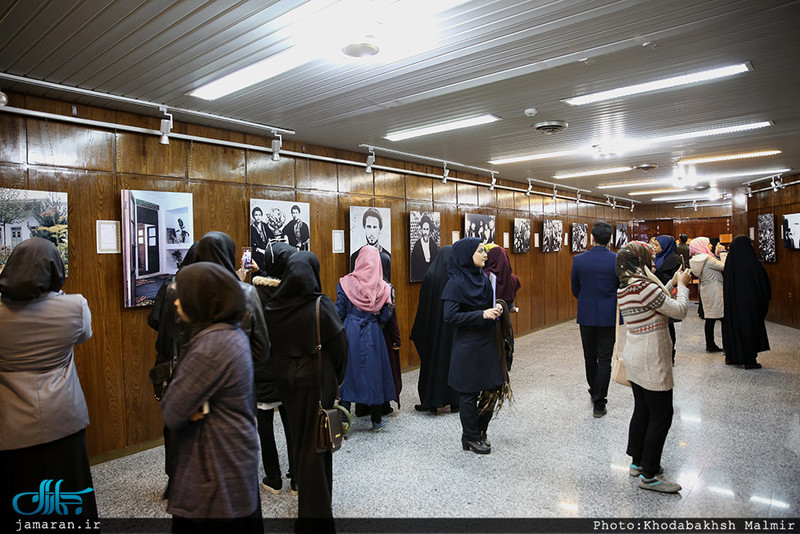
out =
column 634, row 263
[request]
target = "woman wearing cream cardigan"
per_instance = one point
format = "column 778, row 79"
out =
column 646, row 305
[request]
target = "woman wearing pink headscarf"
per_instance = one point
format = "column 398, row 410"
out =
column 708, row 269
column 364, row 302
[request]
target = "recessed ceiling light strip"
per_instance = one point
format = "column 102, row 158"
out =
column 596, row 172
column 666, row 83
column 728, row 157
column 442, row 127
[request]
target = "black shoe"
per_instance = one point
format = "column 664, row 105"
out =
column 454, row 408
column 273, row 486
column 752, row 366
column 421, row 408
column 484, row 439
column 713, row 349
column 599, row 411
column 478, row 447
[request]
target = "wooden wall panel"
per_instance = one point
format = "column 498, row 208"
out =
column 261, row 170
column 143, row 154
column 467, row 194
column 220, row 207
column 419, row 188
column 216, row 163
column 65, row 145
column 445, row 192
column 389, row 184
column 13, row 176
column 12, row 132
column 318, row 175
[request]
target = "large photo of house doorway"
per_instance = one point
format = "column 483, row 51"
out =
column 157, row 231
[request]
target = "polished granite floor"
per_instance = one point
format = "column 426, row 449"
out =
column 734, row 446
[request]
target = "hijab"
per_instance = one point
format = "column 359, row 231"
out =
column 209, row 294
column 291, row 312
column 467, row 283
column 276, row 257
column 668, row 247
column 34, row 268
column 365, row 286
column 700, row 245
column 744, row 274
column 507, row 282
column 217, row 247
column 634, row 261
column 189, row 258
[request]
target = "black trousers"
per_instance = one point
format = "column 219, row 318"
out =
column 598, row 346
column 671, row 328
column 269, row 451
column 298, row 388
column 650, row 423
column 709, row 328
column 475, row 410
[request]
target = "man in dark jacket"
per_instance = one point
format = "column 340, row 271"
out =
column 594, row 284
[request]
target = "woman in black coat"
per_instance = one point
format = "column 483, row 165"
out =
column 667, row 262
column 292, row 318
column 476, row 372
column 746, row 293
column 433, row 339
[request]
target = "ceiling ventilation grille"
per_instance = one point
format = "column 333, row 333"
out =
column 550, row 127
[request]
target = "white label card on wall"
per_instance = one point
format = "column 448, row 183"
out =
column 456, row 236
column 338, row 241
column 566, row 240
column 536, row 240
column 752, row 233
column 108, row 237
column 506, row 240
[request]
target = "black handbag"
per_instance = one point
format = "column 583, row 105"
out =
column 330, row 426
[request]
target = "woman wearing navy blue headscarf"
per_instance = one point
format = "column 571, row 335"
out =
column 667, row 262
column 476, row 371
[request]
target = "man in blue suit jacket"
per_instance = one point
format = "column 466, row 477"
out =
column 594, row 284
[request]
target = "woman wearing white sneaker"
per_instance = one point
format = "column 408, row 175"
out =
column 646, row 305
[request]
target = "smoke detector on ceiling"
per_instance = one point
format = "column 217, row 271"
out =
column 644, row 167
column 550, row 127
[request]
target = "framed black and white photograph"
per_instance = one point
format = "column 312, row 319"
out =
column 622, row 236
column 157, row 231
column 766, row 238
column 425, row 240
column 522, row 235
column 480, row 226
column 791, row 231
column 372, row 226
column 278, row 221
column 580, row 233
column 26, row 213
column 551, row 235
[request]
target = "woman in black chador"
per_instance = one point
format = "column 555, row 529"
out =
column 746, row 293
column 291, row 319
column 433, row 339
column 477, row 371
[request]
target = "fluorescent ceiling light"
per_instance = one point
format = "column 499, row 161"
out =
column 629, row 184
column 634, row 144
column 532, row 157
column 706, row 133
column 743, row 155
column 656, row 191
column 720, row 176
column 257, row 72
column 666, row 83
column 680, row 198
column 316, row 31
column 441, row 127
column 592, row 173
